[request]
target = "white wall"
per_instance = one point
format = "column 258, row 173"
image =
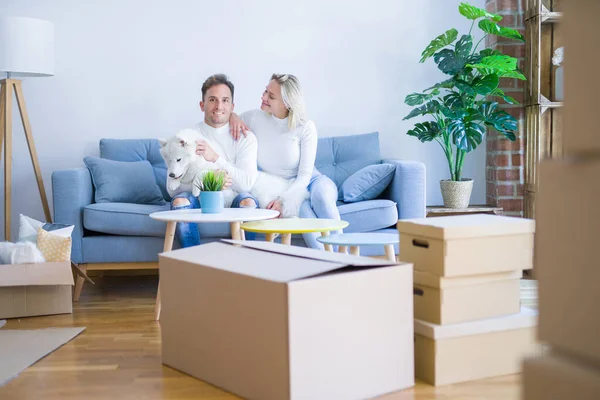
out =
column 133, row 69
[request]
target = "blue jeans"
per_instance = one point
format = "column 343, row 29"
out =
column 322, row 204
column 187, row 234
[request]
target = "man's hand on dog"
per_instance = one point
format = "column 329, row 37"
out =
column 276, row 205
column 203, row 149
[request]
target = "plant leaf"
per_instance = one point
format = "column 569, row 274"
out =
column 473, row 13
column 500, row 93
column 485, row 84
column 453, row 100
column 500, row 120
column 415, row 99
column 438, row 43
column 494, row 29
column 465, row 87
column 513, row 74
column 497, row 63
column 452, row 62
column 467, row 133
column 425, row 131
column 447, row 84
column 489, row 52
column 427, row 108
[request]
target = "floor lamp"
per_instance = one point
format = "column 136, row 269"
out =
column 26, row 50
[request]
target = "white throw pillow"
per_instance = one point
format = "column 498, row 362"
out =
column 20, row 253
column 28, row 229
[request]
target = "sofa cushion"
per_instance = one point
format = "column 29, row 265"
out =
column 124, row 182
column 370, row 215
column 341, row 156
column 367, row 183
column 133, row 220
column 138, row 150
column 124, row 219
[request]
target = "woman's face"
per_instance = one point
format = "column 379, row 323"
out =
column 272, row 101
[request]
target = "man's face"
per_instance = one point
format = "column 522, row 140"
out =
column 217, row 105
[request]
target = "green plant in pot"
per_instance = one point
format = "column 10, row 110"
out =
column 211, row 192
column 463, row 106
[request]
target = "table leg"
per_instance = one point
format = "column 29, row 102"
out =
column 167, row 246
column 343, row 249
column 235, row 230
column 390, row 253
column 270, row 237
column 286, row 238
column 355, row 250
column 327, row 247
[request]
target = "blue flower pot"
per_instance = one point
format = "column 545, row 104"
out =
column 211, row 202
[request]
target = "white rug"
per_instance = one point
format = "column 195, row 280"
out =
column 21, row 348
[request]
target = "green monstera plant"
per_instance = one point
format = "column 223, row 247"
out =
column 463, row 105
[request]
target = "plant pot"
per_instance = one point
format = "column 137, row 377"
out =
column 211, row 202
column 456, row 194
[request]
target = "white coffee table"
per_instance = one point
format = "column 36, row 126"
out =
column 234, row 216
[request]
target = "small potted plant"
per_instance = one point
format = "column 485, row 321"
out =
column 211, row 192
column 462, row 106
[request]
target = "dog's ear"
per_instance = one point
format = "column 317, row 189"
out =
column 163, row 142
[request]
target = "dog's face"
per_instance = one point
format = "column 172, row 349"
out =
column 178, row 152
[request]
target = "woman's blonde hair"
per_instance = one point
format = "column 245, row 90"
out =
column 291, row 94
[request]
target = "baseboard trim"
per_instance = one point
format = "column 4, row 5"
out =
column 121, row 266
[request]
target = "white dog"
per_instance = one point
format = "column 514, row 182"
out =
column 186, row 167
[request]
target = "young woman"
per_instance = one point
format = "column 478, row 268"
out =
column 287, row 147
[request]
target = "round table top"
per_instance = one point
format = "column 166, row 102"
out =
column 228, row 215
column 360, row 239
column 295, row 225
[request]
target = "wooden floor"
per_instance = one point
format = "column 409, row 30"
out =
column 118, row 356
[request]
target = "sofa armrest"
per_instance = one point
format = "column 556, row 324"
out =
column 407, row 188
column 71, row 191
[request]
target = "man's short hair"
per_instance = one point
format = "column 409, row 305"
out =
column 214, row 80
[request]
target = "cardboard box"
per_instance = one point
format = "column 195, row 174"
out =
column 473, row 350
column 451, row 300
column 581, row 134
column 566, row 255
column 28, row 290
column 553, row 377
column 270, row 321
column 467, row 244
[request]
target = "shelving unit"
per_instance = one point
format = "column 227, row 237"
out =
column 543, row 114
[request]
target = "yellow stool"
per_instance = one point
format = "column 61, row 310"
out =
column 287, row 226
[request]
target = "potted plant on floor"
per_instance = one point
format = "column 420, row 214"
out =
column 211, row 192
column 463, row 106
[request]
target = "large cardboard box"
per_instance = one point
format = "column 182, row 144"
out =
column 473, row 350
column 581, row 34
column 28, row 290
column 467, row 244
column 270, row 321
column 451, row 300
column 554, row 377
column 566, row 255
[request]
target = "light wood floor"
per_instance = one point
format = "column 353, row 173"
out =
column 118, row 356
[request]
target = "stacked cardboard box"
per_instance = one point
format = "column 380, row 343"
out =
column 568, row 220
column 468, row 320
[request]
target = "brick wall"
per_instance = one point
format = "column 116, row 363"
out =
column 505, row 160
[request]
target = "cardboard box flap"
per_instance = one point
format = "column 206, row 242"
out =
column 314, row 254
column 42, row 274
column 527, row 318
column 435, row 281
column 466, row 226
column 268, row 265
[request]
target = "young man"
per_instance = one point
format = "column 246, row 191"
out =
column 236, row 158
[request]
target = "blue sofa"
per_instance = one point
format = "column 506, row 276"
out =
column 111, row 234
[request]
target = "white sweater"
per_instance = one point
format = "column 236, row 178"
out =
column 281, row 152
column 238, row 158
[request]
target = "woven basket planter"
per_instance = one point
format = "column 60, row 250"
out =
column 456, row 194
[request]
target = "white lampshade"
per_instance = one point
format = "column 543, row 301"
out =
column 26, row 47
